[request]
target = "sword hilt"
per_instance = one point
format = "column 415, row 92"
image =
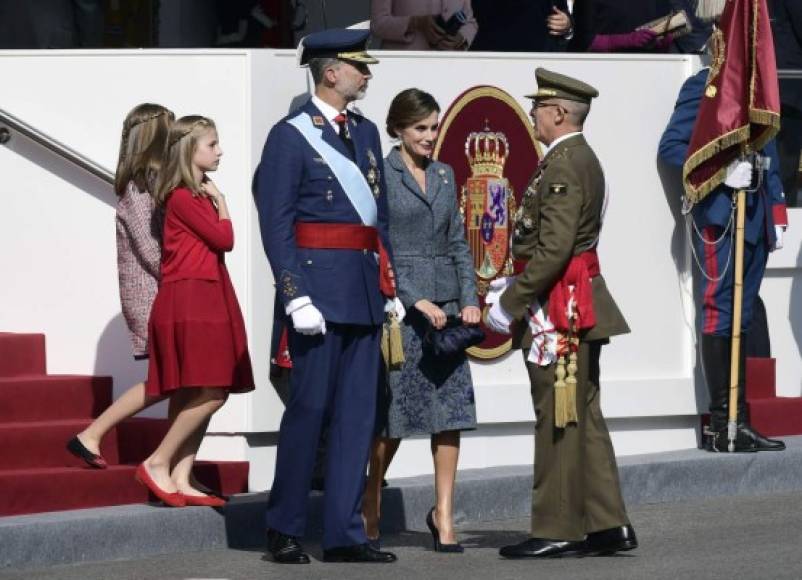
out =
column 760, row 164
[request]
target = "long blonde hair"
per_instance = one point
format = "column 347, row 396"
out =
column 177, row 164
column 142, row 144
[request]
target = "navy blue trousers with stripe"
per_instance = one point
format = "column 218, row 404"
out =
column 334, row 379
column 716, row 297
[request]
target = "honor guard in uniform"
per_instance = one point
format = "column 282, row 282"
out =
column 560, row 298
column 712, row 226
column 322, row 206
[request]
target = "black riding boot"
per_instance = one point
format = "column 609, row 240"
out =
column 716, row 364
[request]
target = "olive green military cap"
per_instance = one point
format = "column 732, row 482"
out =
column 552, row 85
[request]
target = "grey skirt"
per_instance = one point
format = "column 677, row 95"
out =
column 426, row 395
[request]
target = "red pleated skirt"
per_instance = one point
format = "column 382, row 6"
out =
column 196, row 338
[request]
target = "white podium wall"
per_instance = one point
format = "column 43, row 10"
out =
column 58, row 228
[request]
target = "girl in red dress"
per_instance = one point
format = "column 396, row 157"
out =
column 196, row 334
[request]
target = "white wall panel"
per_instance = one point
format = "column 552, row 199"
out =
column 58, row 230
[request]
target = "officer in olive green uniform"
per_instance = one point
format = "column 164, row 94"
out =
column 577, row 506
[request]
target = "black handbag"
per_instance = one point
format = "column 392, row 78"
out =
column 453, row 338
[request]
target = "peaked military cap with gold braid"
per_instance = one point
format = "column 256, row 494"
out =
column 552, row 85
column 342, row 43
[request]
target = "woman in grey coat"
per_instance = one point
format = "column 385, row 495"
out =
column 435, row 278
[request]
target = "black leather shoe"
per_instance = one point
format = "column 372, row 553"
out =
column 541, row 548
column 611, row 540
column 358, row 553
column 760, row 442
column 285, row 549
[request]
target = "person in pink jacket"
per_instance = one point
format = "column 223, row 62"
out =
column 139, row 252
column 423, row 24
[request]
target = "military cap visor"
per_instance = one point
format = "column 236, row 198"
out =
column 343, row 44
column 552, row 85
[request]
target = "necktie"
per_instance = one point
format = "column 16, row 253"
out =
column 345, row 134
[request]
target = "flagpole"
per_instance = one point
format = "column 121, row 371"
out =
column 737, row 308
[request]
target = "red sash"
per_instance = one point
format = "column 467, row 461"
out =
column 578, row 273
column 580, row 270
column 348, row 237
column 338, row 237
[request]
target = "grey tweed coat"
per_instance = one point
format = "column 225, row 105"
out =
column 432, row 261
column 430, row 254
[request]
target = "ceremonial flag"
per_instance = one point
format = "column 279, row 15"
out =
column 740, row 109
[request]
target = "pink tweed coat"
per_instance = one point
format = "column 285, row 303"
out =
column 139, row 225
column 389, row 20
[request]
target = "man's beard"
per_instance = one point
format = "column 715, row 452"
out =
column 353, row 94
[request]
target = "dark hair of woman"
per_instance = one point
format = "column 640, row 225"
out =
column 409, row 107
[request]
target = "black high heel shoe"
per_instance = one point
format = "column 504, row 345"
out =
column 438, row 546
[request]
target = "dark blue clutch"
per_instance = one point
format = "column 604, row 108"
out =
column 452, row 339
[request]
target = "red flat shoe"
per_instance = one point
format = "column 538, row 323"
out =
column 204, row 500
column 175, row 499
column 80, row 451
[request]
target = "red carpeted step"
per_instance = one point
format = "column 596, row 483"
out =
column 36, row 444
column 28, row 491
column 760, row 378
column 53, row 397
column 40, row 444
column 138, row 438
column 22, row 354
column 778, row 416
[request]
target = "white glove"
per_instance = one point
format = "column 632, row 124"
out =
column 498, row 320
column 739, row 174
column 779, row 232
column 497, row 288
column 394, row 305
column 308, row 320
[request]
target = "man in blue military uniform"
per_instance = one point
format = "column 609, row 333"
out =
column 713, row 247
column 322, row 208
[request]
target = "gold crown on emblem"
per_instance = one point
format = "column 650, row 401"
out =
column 487, row 152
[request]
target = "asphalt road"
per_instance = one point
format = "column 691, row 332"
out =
column 721, row 539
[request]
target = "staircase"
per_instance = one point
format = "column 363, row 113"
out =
column 39, row 413
column 771, row 415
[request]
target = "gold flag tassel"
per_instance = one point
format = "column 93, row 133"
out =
column 570, row 382
column 392, row 346
column 565, row 384
column 560, row 395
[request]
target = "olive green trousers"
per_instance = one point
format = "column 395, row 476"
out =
column 576, row 488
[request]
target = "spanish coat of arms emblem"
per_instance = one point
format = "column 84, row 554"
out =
column 488, row 206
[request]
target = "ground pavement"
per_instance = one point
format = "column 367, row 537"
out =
column 757, row 537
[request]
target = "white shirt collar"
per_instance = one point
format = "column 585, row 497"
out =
column 328, row 111
column 559, row 140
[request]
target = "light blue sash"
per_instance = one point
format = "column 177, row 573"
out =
column 347, row 173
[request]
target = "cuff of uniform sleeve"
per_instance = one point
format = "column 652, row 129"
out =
column 297, row 303
column 510, row 305
column 780, row 214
